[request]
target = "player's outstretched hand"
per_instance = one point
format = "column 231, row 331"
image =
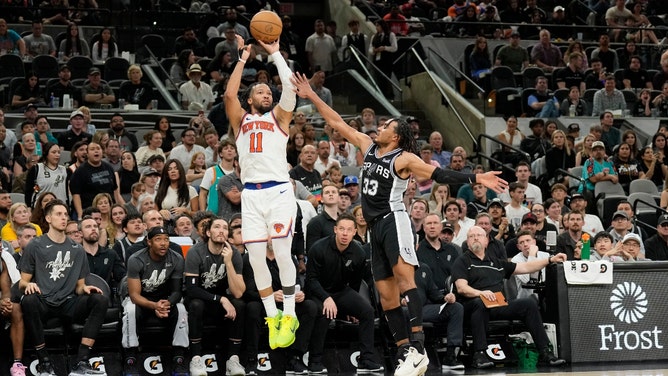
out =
column 491, row 180
column 301, row 84
column 269, row 47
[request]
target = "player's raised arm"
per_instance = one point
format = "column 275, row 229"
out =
column 304, row 90
column 288, row 101
column 233, row 107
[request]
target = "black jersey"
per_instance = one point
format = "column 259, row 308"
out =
column 382, row 188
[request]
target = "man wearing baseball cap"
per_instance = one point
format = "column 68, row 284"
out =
column 597, row 168
column 77, row 133
column 352, row 184
column 592, row 223
column 656, row 247
column 628, row 251
column 96, row 93
column 529, row 221
column 64, row 86
column 502, row 229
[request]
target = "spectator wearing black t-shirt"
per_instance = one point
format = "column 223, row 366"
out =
column 634, row 76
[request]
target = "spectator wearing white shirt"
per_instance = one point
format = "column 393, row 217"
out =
column 324, row 161
column 526, row 243
column 195, row 94
column 185, row 151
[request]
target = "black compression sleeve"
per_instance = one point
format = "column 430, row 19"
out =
column 452, row 177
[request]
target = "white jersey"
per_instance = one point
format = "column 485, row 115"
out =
column 262, row 144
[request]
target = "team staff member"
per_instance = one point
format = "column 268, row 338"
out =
column 53, row 269
column 477, row 274
column 389, row 161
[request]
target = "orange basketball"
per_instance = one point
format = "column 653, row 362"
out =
column 266, row 26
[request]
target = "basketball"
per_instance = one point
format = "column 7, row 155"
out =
column 266, row 26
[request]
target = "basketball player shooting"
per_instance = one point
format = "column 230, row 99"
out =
column 268, row 205
column 389, row 161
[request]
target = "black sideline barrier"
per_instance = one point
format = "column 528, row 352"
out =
column 621, row 322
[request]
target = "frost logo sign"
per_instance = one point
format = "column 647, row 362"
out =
column 629, row 305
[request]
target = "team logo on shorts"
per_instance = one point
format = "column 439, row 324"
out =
column 278, row 227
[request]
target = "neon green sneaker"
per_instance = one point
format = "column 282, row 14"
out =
column 274, row 324
column 286, row 332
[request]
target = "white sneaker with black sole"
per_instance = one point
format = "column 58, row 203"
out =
column 413, row 363
column 233, row 367
column 197, row 366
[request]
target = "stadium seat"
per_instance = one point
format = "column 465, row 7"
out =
column 156, row 43
column 79, row 66
column 211, row 46
column 116, row 68
column 631, row 98
column 503, row 77
column 607, row 196
column 529, row 76
column 643, row 185
column 45, row 66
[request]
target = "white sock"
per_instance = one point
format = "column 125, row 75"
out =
column 289, row 305
column 270, row 305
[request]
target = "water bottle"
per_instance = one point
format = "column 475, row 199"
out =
column 571, row 111
column 56, row 102
column 51, row 104
column 585, row 252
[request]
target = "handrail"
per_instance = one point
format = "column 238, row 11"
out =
column 367, row 6
column 366, row 71
column 503, row 165
column 561, row 172
column 161, row 88
column 405, row 52
column 360, row 56
column 503, row 144
column 444, row 96
column 157, row 61
column 462, row 74
column 651, row 205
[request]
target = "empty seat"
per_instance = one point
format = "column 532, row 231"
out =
column 156, row 43
column 79, row 66
column 502, row 77
column 45, row 66
column 116, row 68
column 643, row 185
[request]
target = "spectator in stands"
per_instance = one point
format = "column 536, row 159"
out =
column 84, row 187
column 438, row 153
column 624, row 55
column 457, row 9
column 576, row 46
column 196, row 94
column 634, row 76
column 597, row 169
column 582, row 108
column 39, row 43
column 535, row 144
column 515, row 208
column 317, row 82
column 531, row 8
column 292, row 41
column 382, row 50
column 105, row 47
column 468, row 281
column 153, row 140
column 127, row 174
column 615, row 18
column 64, row 86
column 341, row 150
column 96, row 93
column 481, row 64
column 189, row 40
column 178, row 70
column 174, row 196
column 229, row 43
column 469, row 27
column 42, row 133
column 572, row 74
column 55, row 12
column 561, row 29
column 644, row 105
column 656, row 247
column 610, row 135
column 306, row 173
column 570, row 241
column 220, row 68
column 321, row 49
column 231, row 20
column 154, row 297
column 608, row 99
column 628, row 249
column 596, row 78
column 18, row 216
column 528, row 251
column 546, row 55
column 73, row 45
column 660, row 102
column 28, row 93
column 117, row 131
column 607, row 55
column 627, row 166
column 513, row 55
column 67, row 139
column 491, row 27
column 560, row 156
column 11, row 41
column 511, row 135
column 185, row 151
column 513, row 13
column 163, row 125
column 655, row 169
column 661, row 76
column 136, row 91
column 396, row 21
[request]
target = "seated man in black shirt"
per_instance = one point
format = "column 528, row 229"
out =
column 334, row 274
column 155, row 279
column 477, row 274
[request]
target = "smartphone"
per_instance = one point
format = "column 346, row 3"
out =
column 342, row 147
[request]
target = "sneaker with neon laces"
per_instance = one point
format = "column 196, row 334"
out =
column 233, row 367
column 412, row 363
column 286, row 333
column 274, row 324
column 18, row 369
column 197, row 367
